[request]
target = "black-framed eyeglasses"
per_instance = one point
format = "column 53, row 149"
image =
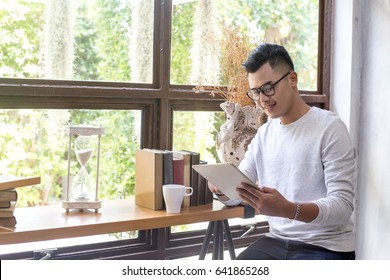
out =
column 267, row 89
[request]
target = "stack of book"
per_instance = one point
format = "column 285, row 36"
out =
column 7, row 206
column 155, row 168
column 9, row 197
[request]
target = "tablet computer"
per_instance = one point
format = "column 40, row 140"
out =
column 225, row 176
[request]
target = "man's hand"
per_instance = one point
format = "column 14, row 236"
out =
column 266, row 201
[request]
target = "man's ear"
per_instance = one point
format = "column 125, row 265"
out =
column 294, row 78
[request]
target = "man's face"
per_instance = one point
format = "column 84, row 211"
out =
column 279, row 104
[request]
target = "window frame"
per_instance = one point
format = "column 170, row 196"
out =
column 157, row 100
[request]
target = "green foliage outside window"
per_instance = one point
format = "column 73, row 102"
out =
column 32, row 142
column 21, row 28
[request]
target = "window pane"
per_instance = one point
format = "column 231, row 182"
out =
column 197, row 35
column 102, row 40
column 197, row 131
column 34, row 143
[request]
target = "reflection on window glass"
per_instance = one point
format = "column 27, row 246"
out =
column 103, row 40
column 197, row 131
column 198, row 33
column 35, row 143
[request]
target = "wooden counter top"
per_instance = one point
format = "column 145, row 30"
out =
column 52, row 222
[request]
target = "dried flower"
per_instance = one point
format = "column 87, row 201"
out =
column 234, row 48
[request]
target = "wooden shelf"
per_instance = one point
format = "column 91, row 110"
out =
column 52, row 222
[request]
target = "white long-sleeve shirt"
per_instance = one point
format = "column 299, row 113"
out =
column 311, row 159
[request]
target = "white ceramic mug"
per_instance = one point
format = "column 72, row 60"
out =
column 174, row 195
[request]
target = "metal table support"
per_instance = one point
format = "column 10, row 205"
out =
column 218, row 229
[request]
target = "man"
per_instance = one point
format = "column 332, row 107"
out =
column 304, row 163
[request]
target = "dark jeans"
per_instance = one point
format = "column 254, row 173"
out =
column 268, row 248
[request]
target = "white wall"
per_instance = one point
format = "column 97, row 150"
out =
column 362, row 60
column 342, row 60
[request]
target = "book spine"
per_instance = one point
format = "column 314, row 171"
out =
column 6, row 214
column 167, row 171
column 186, row 157
column 8, row 222
column 167, row 167
column 187, row 178
column 194, row 199
column 5, row 204
column 202, row 186
column 149, row 179
column 8, row 195
column 178, row 171
column 208, row 194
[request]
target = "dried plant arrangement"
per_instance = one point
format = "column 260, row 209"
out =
column 234, row 48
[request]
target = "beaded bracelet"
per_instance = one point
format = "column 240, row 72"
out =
column 297, row 211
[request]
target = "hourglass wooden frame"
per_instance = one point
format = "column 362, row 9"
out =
column 93, row 203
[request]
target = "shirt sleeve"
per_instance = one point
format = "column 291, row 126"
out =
column 339, row 162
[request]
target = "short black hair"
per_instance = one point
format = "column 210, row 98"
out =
column 275, row 55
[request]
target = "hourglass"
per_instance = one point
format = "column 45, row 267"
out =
column 82, row 183
column 82, row 190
